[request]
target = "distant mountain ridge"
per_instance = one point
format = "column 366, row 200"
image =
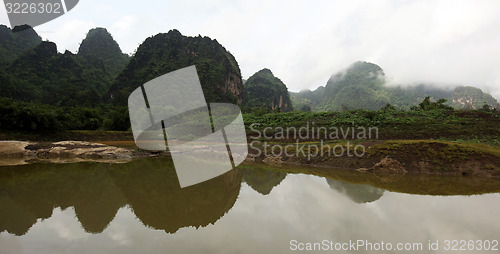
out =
column 363, row 86
column 32, row 70
column 101, row 73
column 43, row 75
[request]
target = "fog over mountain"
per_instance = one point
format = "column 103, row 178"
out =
column 364, row 85
column 448, row 43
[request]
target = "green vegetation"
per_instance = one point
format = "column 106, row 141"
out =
column 427, row 105
column 24, row 116
column 99, row 46
column 433, row 121
column 12, row 44
column 442, row 150
column 360, row 86
column 264, row 91
column 429, row 122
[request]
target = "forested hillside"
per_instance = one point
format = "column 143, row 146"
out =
column 43, row 75
column 217, row 69
column 264, row 90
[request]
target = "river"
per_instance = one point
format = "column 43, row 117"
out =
column 138, row 207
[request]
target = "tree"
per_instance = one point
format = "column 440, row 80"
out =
column 428, row 105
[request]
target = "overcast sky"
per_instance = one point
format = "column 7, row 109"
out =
column 305, row 42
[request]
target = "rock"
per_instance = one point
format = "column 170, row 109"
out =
column 18, row 153
column 13, row 149
column 251, row 158
column 273, row 160
column 388, row 165
column 363, row 170
column 83, row 149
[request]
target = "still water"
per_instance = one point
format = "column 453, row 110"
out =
column 138, row 207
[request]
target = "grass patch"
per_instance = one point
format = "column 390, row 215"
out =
column 439, row 149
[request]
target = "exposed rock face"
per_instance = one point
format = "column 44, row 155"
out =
column 471, row 98
column 233, row 86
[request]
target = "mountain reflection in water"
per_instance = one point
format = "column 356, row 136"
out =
column 262, row 180
column 97, row 191
column 359, row 193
